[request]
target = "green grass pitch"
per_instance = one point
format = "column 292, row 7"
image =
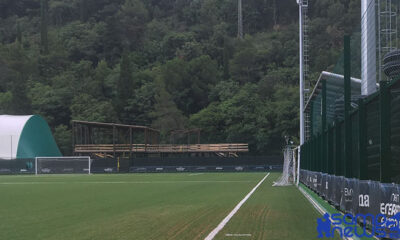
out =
column 151, row 206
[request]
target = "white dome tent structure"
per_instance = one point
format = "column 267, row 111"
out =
column 26, row 137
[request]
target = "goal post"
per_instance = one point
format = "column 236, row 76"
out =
column 63, row 165
column 288, row 176
column 298, row 152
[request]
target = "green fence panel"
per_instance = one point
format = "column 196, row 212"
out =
column 338, row 149
column 372, row 130
column 386, row 172
column 395, row 131
column 355, row 153
column 362, row 144
column 329, row 150
column 333, row 149
column 342, row 148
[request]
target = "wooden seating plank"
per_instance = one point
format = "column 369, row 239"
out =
column 162, row 148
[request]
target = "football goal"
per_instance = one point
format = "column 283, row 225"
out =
column 288, row 176
column 60, row 165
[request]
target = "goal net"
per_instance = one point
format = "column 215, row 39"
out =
column 60, row 165
column 289, row 167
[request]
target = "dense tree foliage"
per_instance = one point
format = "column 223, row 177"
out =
column 166, row 63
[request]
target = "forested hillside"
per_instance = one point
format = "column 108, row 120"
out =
column 171, row 64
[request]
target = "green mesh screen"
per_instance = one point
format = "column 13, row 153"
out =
column 335, row 91
column 373, row 139
column 395, row 131
column 375, row 135
column 330, row 151
column 355, row 153
column 341, row 148
column 316, row 115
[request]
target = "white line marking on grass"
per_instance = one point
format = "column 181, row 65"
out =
column 222, row 224
column 30, row 183
column 194, row 174
column 238, row 235
column 320, row 209
column 121, row 182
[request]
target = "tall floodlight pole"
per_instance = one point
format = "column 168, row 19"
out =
column 301, row 71
column 368, row 47
column 301, row 85
column 240, row 20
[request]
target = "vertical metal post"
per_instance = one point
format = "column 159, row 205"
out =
column 89, row 167
column 130, row 143
column 36, row 167
column 329, row 151
column 314, row 154
column 301, row 76
column 348, row 170
column 308, row 154
column 114, row 141
column 301, row 73
column 240, row 20
column 118, row 164
column 385, row 151
column 303, row 153
column 338, row 154
column 324, row 158
column 293, row 150
column 319, row 160
column 333, row 149
column 368, row 47
column 311, row 117
column 298, row 164
column 362, row 141
column 73, row 138
column 317, row 150
column 320, row 156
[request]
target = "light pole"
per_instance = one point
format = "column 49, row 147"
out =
column 301, row 84
column 301, row 71
column 240, row 20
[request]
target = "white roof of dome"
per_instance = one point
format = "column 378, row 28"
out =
column 10, row 131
